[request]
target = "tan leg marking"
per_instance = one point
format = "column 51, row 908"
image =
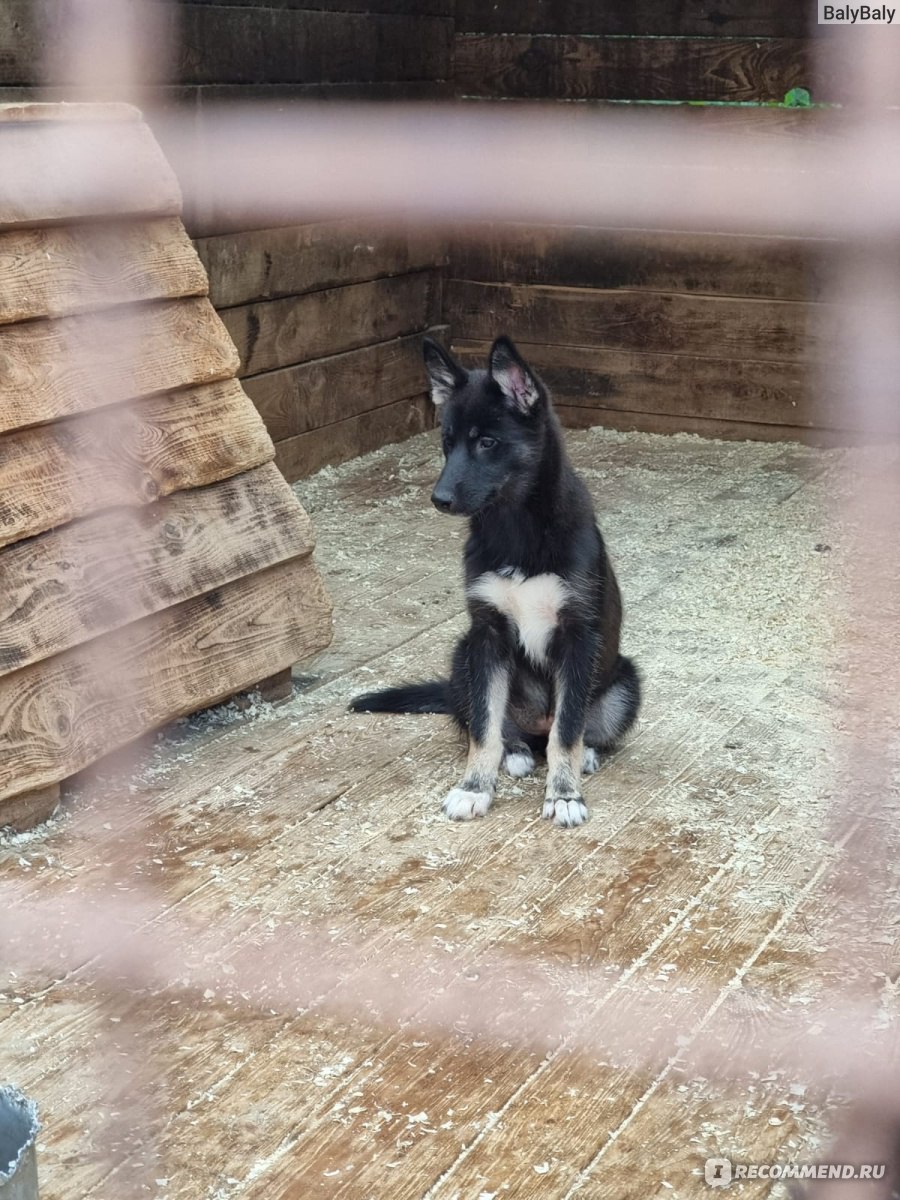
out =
column 563, row 803
column 474, row 795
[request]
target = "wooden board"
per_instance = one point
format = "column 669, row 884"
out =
column 57, row 271
column 662, row 261
column 52, row 369
column 86, row 578
column 271, row 263
column 278, row 45
column 728, row 18
column 768, row 330
column 60, row 715
column 280, row 333
column 300, row 456
column 654, row 68
column 51, row 172
column 295, row 400
column 677, row 385
column 127, row 454
column 708, row 427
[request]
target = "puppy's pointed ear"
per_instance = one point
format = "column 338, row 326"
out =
column 444, row 372
column 520, row 386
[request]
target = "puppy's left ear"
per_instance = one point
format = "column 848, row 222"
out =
column 520, row 386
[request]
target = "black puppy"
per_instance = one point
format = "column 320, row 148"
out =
column 539, row 670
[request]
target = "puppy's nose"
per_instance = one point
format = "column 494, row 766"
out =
column 442, row 501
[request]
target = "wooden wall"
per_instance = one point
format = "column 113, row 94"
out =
column 655, row 330
column 328, row 319
column 646, row 330
column 640, row 329
column 633, row 50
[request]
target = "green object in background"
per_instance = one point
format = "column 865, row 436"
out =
column 797, row 98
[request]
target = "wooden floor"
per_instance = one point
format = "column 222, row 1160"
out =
column 726, row 554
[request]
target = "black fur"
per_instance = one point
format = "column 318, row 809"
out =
column 507, row 470
column 412, row 698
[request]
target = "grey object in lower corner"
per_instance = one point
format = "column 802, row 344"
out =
column 19, row 1127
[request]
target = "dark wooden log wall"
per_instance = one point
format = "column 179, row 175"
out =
column 668, row 50
column 665, row 331
column 631, row 328
column 328, row 317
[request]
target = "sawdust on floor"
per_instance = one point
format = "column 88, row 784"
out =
column 732, row 559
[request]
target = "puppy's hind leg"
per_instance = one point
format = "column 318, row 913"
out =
column 611, row 714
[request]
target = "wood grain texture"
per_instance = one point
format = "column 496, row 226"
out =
column 662, row 261
column 280, row 333
column 590, row 68
column 278, row 45
column 677, row 385
column 73, row 583
column 127, row 454
column 52, row 369
column 52, row 172
column 728, row 18
column 57, row 271
column 721, row 327
column 62, row 714
column 295, row 400
column 270, row 263
column 300, row 456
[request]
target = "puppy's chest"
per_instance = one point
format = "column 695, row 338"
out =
column 532, row 604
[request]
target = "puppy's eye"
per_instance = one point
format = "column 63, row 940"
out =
column 487, row 443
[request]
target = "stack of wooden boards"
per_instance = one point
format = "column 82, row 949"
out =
column 153, row 560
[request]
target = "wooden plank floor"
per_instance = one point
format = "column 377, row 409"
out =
column 247, row 822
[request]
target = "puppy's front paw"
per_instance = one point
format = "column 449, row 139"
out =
column 519, row 763
column 567, row 811
column 460, row 805
column 590, row 760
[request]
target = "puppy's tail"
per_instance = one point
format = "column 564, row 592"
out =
column 432, row 697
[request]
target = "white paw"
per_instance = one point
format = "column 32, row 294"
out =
column 519, row 763
column 566, row 811
column 590, row 760
column 460, row 805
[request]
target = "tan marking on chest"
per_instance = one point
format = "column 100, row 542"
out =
column 532, row 605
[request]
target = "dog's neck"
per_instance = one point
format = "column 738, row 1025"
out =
column 530, row 531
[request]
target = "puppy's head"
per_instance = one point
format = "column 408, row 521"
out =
column 492, row 424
